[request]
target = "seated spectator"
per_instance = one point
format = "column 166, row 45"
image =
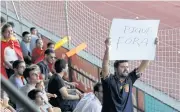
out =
column 17, row 78
column 64, row 100
column 4, row 105
column 41, row 77
column 51, row 46
column 38, row 51
column 49, row 57
column 4, row 102
column 25, row 44
column 31, row 74
column 45, row 95
column 34, row 37
column 91, row 102
column 36, row 96
column 10, row 50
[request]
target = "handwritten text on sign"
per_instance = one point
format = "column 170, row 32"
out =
column 133, row 39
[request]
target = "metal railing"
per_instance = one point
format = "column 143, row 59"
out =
column 17, row 96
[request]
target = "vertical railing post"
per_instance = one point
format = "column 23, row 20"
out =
column 67, row 22
column 6, row 10
column 20, row 15
column 69, row 42
column 15, row 10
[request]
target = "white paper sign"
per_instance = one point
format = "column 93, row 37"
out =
column 133, row 39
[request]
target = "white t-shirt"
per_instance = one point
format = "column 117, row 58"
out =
column 10, row 54
column 89, row 103
column 25, row 89
column 44, row 95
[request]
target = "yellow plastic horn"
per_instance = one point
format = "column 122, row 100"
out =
column 61, row 42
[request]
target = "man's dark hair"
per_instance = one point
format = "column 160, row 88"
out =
column 25, row 33
column 117, row 62
column 28, row 60
column 48, row 51
column 11, row 23
column 32, row 94
column 3, row 20
column 32, row 28
column 97, row 86
column 59, row 65
column 27, row 71
column 16, row 63
column 49, row 44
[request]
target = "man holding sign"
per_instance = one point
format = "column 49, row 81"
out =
column 117, row 88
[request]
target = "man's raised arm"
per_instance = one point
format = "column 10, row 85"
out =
column 144, row 64
column 105, row 64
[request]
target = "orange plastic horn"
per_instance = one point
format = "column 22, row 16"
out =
column 76, row 50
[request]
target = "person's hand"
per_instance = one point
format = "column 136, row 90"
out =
column 107, row 42
column 41, row 109
column 54, row 96
column 74, row 84
column 79, row 93
column 156, row 42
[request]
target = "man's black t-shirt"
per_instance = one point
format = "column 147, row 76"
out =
column 117, row 96
column 55, row 83
column 44, row 69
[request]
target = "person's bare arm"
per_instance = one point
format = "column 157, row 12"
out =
column 71, row 91
column 49, row 95
column 67, row 96
column 74, row 84
column 105, row 64
column 144, row 64
column 11, row 109
column 56, row 109
column 50, row 109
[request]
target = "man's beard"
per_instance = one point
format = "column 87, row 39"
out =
column 21, row 74
column 123, row 75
